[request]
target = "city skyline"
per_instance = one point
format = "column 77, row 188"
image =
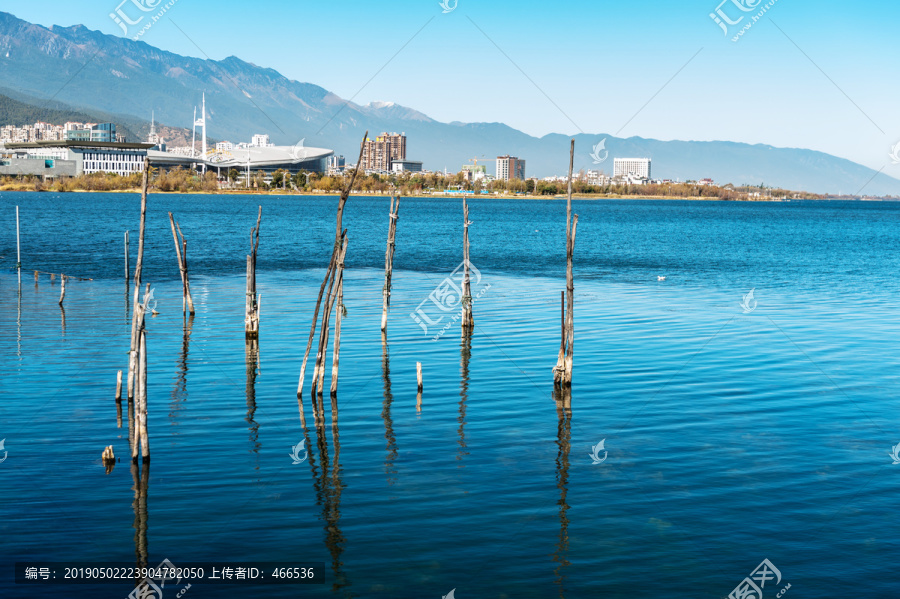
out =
column 784, row 83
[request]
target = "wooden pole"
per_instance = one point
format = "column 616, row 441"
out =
column 132, row 364
column 251, row 318
column 419, row 375
column 18, row 245
column 468, row 321
column 127, row 265
column 145, row 437
column 119, row 386
column 337, row 323
column 187, row 303
column 562, row 372
column 334, row 254
column 62, row 291
column 389, row 260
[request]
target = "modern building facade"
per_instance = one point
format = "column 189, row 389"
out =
column 638, row 167
column 72, row 158
column 510, row 167
column 380, row 153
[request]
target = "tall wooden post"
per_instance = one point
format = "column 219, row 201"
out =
column 389, row 260
column 127, row 265
column 468, row 320
column 251, row 317
column 337, row 323
column 132, row 364
column 562, row 372
column 18, row 246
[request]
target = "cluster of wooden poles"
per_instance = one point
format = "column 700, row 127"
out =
column 331, row 291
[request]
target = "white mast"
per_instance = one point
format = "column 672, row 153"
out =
column 194, row 133
column 203, row 120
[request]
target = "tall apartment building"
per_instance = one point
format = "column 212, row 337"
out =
column 378, row 154
column 639, row 167
column 510, row 167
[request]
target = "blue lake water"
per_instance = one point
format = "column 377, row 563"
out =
column 729, row 437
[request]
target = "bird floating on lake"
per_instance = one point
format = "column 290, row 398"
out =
column 660, row 278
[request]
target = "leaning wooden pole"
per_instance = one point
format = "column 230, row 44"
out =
column 132, row 363
column 468, row 320
column 389, row 260
column 334, row 254
column 62, row 292
column 337, row 323
column 187, row 302
column 251, row 316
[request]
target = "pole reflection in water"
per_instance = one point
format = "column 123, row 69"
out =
column 563, row 398
column 391, row 440
column 62, row 313
column 141, row 478
column 19, row 317
column 179, row 392
column 328, row 486
column 465, row 353
column 251, row 352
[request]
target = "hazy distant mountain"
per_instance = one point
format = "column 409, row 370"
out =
column 94, row 72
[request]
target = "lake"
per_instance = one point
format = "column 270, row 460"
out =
column 731, row 434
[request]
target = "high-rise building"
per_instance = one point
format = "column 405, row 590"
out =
column 638, row 167
column 378, row 154
column 510, row 167
column 104, row 132
column 260, row 141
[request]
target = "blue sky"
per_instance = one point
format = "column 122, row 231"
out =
column 819, row 75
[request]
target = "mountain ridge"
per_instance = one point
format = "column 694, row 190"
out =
column 92, row 70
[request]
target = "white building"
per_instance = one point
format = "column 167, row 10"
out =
column 260, row 141
column 224, row 146
column 639, row 167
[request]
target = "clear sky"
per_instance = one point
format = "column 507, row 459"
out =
column 820, row 75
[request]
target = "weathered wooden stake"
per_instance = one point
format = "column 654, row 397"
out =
column 468, row 320
column 329, row 274
column 18, row 245
column 62, row 291
column 119, row 386
column 337, row 324
column 187, row 302
column 562, row 372
column 419, row 374
column 389, row 260
column 127, row 265
column 132, row 363
column 251, row 318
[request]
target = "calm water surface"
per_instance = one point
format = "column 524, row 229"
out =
column 731, row 437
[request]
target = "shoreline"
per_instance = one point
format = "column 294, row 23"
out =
column 575, row 196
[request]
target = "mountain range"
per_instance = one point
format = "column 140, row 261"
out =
column 93, row 73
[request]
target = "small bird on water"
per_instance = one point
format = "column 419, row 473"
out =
column 658, row 278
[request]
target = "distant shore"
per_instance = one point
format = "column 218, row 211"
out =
column 576, row 196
